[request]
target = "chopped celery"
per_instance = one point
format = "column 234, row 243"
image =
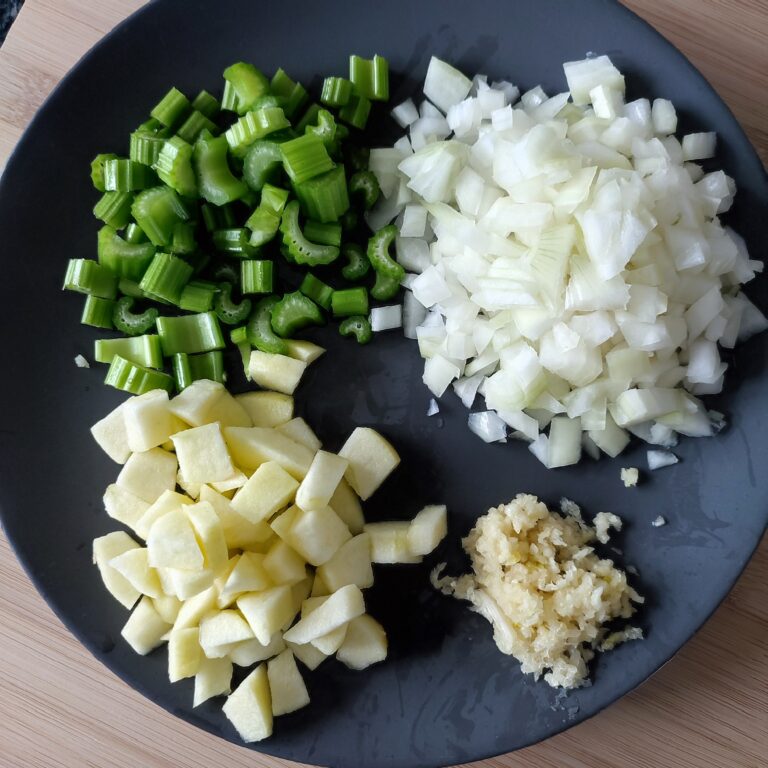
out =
column 141, row 350
column 86, row 276
column 234, row 240
column 134, row 234
column 294, row 312
column 174, row 166
column 252, row 126
column 183, row 240
column 215, row 180
column 165, row 277
column 128, row 322
column 297, row 247
column 336, row 91
column 157, row 211
column 325, row 130
column 97, row 312
column 189, row 368
column 171, row 109
column 190, row 333
column 357, row 265
column 324, row 234
column 308, row 118
column 226, row 310
column 292, row 95
column 136, row 379
column 256, row 276
column 317, row 290
column 197, row 296
column 114, row 208
column 358, row 326
column 206, row 104
column 145, row 146
column 122, row 258
column 97, row 170
column 350, row 301
column 248, row 84
column 262, row 164
column 325, row 197
column 378, row 253
column 356, row 112
column 370, row 77
column 365, row 184
column 124, row 175
column 259, row 328
column 305, row 157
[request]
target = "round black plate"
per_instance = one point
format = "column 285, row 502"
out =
column 445, row 695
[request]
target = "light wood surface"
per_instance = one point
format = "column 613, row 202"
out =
column 708, row 708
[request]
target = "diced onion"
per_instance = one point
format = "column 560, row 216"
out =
column 659, row 459
column 386, row 318
column 488, row 426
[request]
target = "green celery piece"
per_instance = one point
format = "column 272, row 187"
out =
column 124, row 175
column 206, row 104
column 248, row 84
column 252, row 126
column 226, row 273
column 141, row 350
column 229, row 100
column 357, row 266
column 324, row 234
column 165, row 277
column 349, row 220
column 370, row 77
column 194, row 125
column 189, row 368
column 350, row 301
column 183, row 240
column 197, row 296
column 190, row 333
column 97, row 312
column 87, row 276
column 136, row 379
column 274, row 198
column 366, row 185
column 321, row 293
column 385, row 287
column 114, row 208
column 129, row 288
column 325, row 129
column 172, row 108
column 157, row 211
column 134, row 234
column 356, row 157
column 293, row 96
column 122, row 258
column 358, row 326
column 263, row 224
column 216, row 182
column 233, row 240
column 324, row 198
column 305, row 157
column 356, row 112
column 226, row 310
column 239, row 337
column 174, row 166
column 336, row 91
column 97, row 170
column 145, row 146
column 262, row 164
column 298, row 248
column 378, row 253
column 129, row 322
column 259, row 328
column 309, row 117
column 256, row 276
column 294, row 312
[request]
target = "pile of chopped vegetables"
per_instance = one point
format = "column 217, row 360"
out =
column 196, row 218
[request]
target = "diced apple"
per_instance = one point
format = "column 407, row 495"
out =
column 331, row 642
column 346, row 504
column 145, row 629
column 298, row 429
column 267, row 409
column 286, row 684
column 168, row 501
column 204, row 402
column 284, row 565
column 319, row 588
column 428, row 529
column 148, row 474
column 188, row 584
column 267, row 611
column 248, row 575
column 210, row 535
column 249, row 652
column 239, row 533
column 238, row 480
column 365, row 643
column 218, row 630
column 302, row 350
column 184, row 653
column 193, row 610
column 111, row 435
column 190, row 488
column 172, row 543
column 307, row 654
column 350, row 565
column 283, row 523
column 168, row 607
column 213, row 678
column 300, row 591
column 389, row 542
column 148, row 422
column 202, row 454
column 342, row 606
column 105, row 549
column 371, row 460
column 133, row 564
column 277, row 372
column 249, row 707
column 321, row 481
column 317, row 534
column 124, row 506
column 268, row 490
column 252, row 446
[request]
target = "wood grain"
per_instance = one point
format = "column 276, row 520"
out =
column 708, row 708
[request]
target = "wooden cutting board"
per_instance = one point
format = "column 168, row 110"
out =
column 708, row 708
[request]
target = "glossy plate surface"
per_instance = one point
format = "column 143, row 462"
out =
column 445, row 695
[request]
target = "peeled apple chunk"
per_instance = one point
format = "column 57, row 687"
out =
column 342, row 606
column 364, row 644
column 278, row 372
column 107, row 548
column 145, row 629
column 286, row 684
column 371, row 460
column 148, row 474
column 202, row 454
column 249, row 706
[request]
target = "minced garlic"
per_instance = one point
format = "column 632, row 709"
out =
column 545, row 591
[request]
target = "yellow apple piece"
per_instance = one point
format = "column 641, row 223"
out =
column 145, row 629
column 319, row 589
column 308, row 655
column 316, row 534
column 286, row 684
column 321, row 481
column 213, row 678
column 252, row 446
column 210, row 535
column 168, row 501
column 389, row 542
column 350, row 565
column 283, row 523
column 248, row 575
column 184, row 653
column 298, row 429
column 105, row 549
column 267, row 611
column 302, row 350
column 364, row 644
column 190, row 488
column 247, row 653
column 172, row 543
column 133, row 565
column 284, row 565
column 371, row 460
column 193, row 610
column 168, row 607
column 238, row 480
column 267, row 490
column 277, row 372
column 222, row 629
column 239, row 533
column 205, row 401
column 330, row 642
column 202, row 454
column 300, row 591
column 267, row 409
column 428, row 529
column 249, row 706
column 148, row 474
column 111, row 435
column 124, row 506
column 342, row 606
column 346, row 504
column 148, row 422
column 186, row 584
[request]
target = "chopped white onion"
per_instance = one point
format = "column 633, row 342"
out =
column 386, row 318
column 82, row 362
column 488, row 426
column 445, row 85
column 433, row 408
column 406, row 113
column 659, row 459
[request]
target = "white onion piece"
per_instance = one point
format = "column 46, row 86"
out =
column 699, row 146
column 659, row 459
column 488, row 426
column 413, row 315
column 414, row 222
column 445, row 85
column 386, row 318
column 466, row 388
column 406, row 113
column 433, row 408
column 439, row 373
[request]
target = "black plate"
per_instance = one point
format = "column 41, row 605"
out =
column 445, row 695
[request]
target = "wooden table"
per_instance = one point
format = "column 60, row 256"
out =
column 708, row 708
